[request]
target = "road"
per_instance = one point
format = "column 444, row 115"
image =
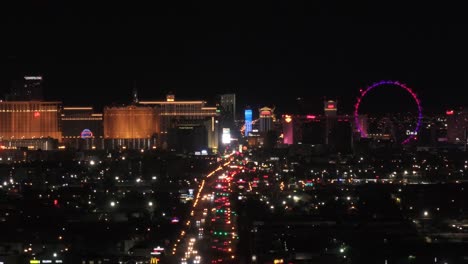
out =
column 210, row 233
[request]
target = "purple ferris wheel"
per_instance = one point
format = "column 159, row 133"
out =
column 397, row 84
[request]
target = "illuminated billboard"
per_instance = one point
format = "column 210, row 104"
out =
column 226, row 137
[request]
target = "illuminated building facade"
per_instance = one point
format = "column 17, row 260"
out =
column 248, row 122
column 29, row 120
column 82, row 128
column 212, row 135
column 266, row 119
column 330, row 110
column 227, row 118
column 226, row 136
column 288, row 129
column 132, row 127
column 364, row 125
column 190, row 116
column 312, row 130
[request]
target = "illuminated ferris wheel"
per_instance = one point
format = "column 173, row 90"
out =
column 412, row 133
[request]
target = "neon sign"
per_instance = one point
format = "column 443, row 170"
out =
column 86, row 133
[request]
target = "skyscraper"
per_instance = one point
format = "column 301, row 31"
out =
column 363, row 123
column 248, row 122
column 29, row 123
column 190, row 116
column 330, row 109
column 303, row 129
column 266, row 119
column 228, row 106
column 131, row 126
column 288, row 129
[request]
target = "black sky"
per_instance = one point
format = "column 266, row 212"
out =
column 267, row 53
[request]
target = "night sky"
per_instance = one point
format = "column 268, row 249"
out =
column 267, row 53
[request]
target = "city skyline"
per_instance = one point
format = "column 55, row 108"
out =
column 193, row 50
column 233, row 133
column 383, row 101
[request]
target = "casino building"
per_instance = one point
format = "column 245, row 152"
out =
column 30, row 124
column 133, row 127
column 27, row 122
column 82, row 128
column 185, row 125
column 328, row 129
